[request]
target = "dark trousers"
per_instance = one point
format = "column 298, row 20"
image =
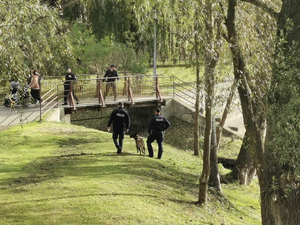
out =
column 118, row 143
column 66, row 94
column 35, row 94
column 159, row 138
column 108, row 86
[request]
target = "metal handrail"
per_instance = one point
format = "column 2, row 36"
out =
column 188, row 93
column 130, row 86
column 53, row 97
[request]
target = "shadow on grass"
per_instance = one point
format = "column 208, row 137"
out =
column 79, row 196
column 101, row 165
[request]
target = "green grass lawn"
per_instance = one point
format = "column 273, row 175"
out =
column 184, row 73
column 65, row 174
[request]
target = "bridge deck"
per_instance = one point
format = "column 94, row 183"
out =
column 139, row 102
column 20, row 114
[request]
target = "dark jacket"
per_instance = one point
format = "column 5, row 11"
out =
column 111, row 76
column 158, row 124
column 120, row 120
column 69, row 77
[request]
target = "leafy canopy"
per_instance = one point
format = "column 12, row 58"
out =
column 32, row 36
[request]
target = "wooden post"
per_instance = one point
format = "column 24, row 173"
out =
column 40, row 90
column 71, row 97
column 98, row 89
column 100, row 93
column 158, row 95
column 130, row 97
column 125, row 85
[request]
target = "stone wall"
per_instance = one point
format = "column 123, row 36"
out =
column 179, row 109
column 140, row 116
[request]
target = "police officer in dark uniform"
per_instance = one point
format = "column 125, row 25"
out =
column 121, row 122
column 156, row 130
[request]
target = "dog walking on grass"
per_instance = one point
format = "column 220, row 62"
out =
column 139, row 142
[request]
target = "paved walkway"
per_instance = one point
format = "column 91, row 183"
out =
column 17, row 115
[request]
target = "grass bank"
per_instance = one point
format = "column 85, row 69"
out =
column 65, row 174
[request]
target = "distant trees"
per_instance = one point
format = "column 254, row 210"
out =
column 131, row 23
column 33, row 34
column 96, row 56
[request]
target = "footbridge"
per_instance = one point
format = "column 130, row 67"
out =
column 92, row 92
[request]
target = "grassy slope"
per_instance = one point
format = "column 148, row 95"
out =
column 183, row 73
column 65, row 174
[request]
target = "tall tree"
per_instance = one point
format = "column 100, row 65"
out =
column 277, row 157
column 279, row 182
column 252, row 72
column 198, row 45
column 211, row 57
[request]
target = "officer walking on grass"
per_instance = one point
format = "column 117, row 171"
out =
column 156, row 130
column 121, row 122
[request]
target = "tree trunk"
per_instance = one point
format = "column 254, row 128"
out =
column 203, row 187
column 214, row 178
column 244, row 169
column 280, row 184
column 196, row 124
column 279, row 204
column 211, row 59
column 210, row 65
column 226, row 110
column 252, row 121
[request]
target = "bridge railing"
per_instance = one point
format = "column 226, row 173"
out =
column 187, row 92
column 127, row 87
column 132, row 88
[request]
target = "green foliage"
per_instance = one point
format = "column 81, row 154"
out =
column 96, row 56
column 258, row 46
column 129, row 60
column 131, row 23
column 114, row 19
column 65, row 174
column 32, row 35
column 92, row 55
column 284, row 114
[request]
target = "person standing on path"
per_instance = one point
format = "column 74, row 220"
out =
column 110, row 77
column 35, row 87
column 156, row 130
column 121, row 122
column 69, row 78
